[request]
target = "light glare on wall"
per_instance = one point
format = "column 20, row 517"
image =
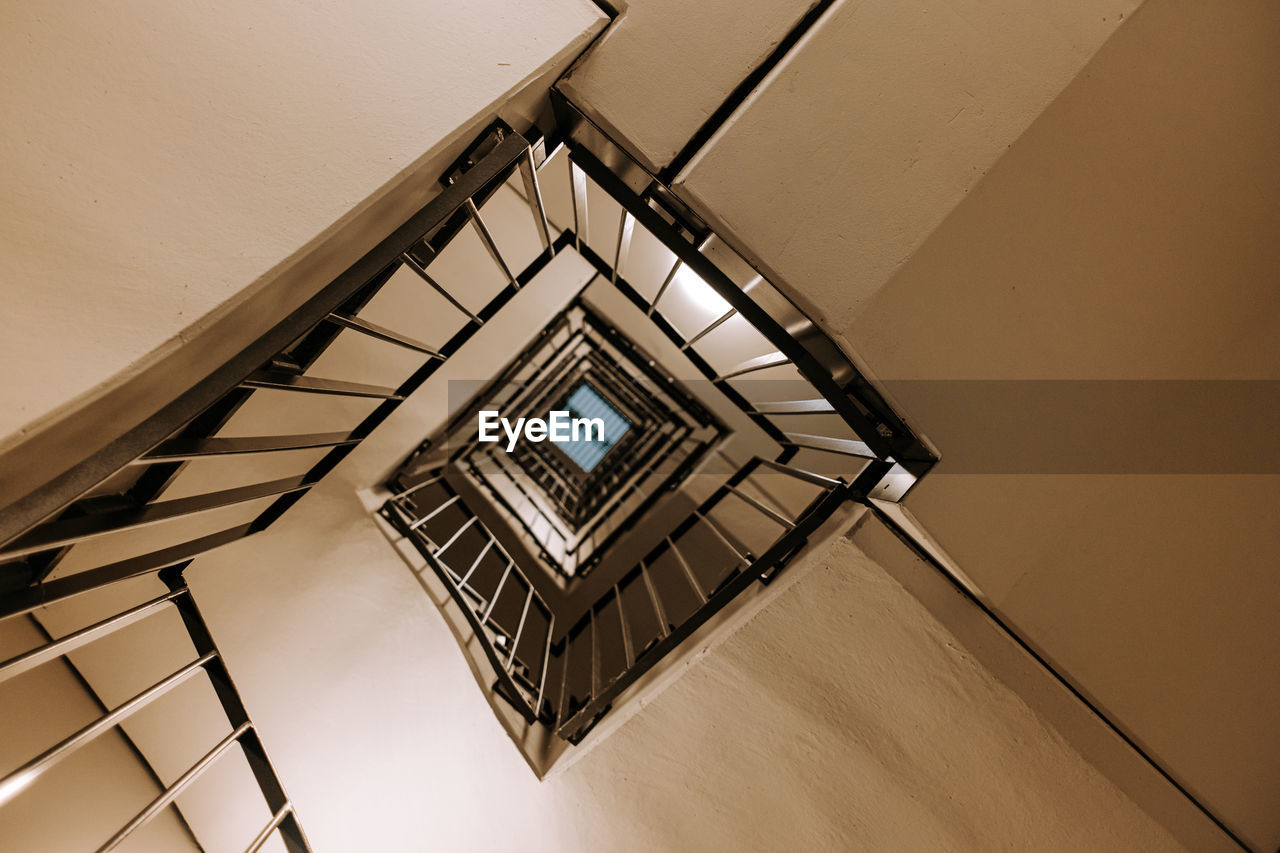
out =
column 700, row 293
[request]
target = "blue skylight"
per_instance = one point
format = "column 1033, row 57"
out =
column 585, row 402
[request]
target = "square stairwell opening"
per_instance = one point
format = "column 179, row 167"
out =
column 574, row 574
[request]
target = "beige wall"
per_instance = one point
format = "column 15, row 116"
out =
column 162, row 159
column 843, row 717
column 384, row 739
column 1128, row 234
column 83, row 800
column 666, row 65
column 904, row 182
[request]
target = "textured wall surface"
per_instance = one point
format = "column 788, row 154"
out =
column 867, row 135
column 842, row 717
column 161, row 158
column 1128, row 235
column 667, row 65
column 951, row 230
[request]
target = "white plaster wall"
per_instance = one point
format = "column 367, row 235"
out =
column 160, row 158
column 666, row 65
column 78, row 803
column 1129, row 234
column 843, row 717
column 875, row 127
column 1125, row 232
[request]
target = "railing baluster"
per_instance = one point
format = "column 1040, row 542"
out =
column 489, row 244
column 626, row 226
column 382, row 333
column 688, row 571
column 709, row 329
column 578, row 191
column 476, row 562
column 799, row 474
column 562, row 710
column 715, row 528
column 276, row 819
column 524, row 614
column 71, row 642
column 595, row 656
column 843, row 446
column 179, row 449
column 780, row 519
column 416, row 486
column 171, row 793
column 506, row 573
column 628, row 650
column 666, row 282
column 664, row 627
column 533, row 194
column 794, row 407
column 282, row 380
column 751, row 365
column 21, row 778
column 546, row 663
column 418, row 522
column 454, row 538
column 412, row 263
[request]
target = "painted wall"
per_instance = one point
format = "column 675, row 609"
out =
column 365, row 704
column 1128, row 234
column 162, row 161
column 905, row 182
column 81, row 801
column 666, row 66
column 843, row 717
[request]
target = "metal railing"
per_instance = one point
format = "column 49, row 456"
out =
column 603, row 651
column 435, row 519
column 824, row 382
column 570, row 678
column 120, row 490
column 208, row 661
column 714, row 563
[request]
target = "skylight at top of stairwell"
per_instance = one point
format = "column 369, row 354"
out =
column 734, row 428
column 588, row 448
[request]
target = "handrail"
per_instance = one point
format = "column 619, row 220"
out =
column 207, row 660
column 477, row 608
column 576, row 726
column 527, row 701
column 24, row 502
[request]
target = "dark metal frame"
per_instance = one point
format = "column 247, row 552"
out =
column 209, row 660
column 37, row 528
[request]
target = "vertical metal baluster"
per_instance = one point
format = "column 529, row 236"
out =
column 483, row 551
column 489, row 244
column 675, row 268
column 658, row 610
column 418, row 522
column 454, row 538
column 626, row 226
column 715, row 528
column 709, row 329
column 546, row 663
column 562, row 711
column 515, row 641
column 506, row 573
column 578, row 188
column 533, row 193
column 627, row 649
column 688, row 570
column 413, row 264
column 595, row 657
